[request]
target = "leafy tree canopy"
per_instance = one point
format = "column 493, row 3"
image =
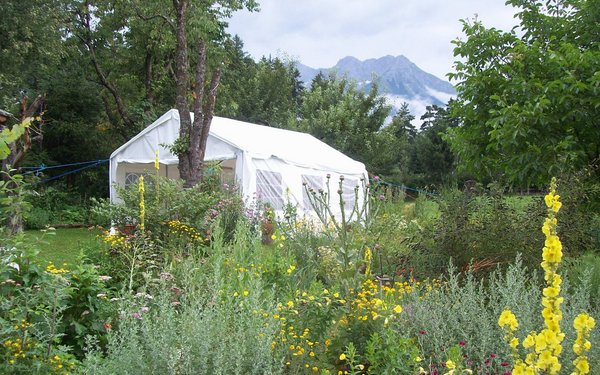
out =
column 528, row 99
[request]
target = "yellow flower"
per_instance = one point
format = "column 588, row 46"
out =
column 507, row 318
column 514, row 342
column 583, row 366
column 583, row 322
column 342, row 357
column 528, row 342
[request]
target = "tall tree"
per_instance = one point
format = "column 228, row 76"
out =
column 31, row 39
column 336, row 111
column 130, row 49
column 191, row 145
column 528, row 101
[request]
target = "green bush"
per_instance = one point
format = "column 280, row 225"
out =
column 38, row 218
column 478, row 231
column 48, row 311
column 56, row 205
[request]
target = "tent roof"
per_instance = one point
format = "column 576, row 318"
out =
column 258, row 141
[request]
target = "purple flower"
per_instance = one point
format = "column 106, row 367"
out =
column 328, row 175
column 137, row 316
column 376, row 178
column 342, row 177
column 382, row 197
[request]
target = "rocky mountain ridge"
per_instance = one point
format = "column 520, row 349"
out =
column 398, row 77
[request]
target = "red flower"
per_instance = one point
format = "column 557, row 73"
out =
column 107, row 326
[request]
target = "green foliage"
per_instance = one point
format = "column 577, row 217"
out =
column 528, row 103
column 266, row 92
column 13, row 207
column 478, row 231
column 336, row 111
column 347, row 235
column 390, row 353
column 58, row 205
column 48, row 310
column 31, row 39
column 166, row 200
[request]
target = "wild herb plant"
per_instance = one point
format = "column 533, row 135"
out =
column 206, row 321
column 348, row 235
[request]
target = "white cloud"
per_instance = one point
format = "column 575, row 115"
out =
column 320, row 32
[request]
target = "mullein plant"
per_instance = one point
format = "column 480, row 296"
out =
column 142, row 204
column 545, row 347
column 157, row 182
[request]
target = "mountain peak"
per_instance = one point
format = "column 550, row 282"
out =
column 397, row 75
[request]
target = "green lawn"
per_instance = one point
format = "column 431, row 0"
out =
column 64, row 245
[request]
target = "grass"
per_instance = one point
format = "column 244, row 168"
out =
column 62, row 245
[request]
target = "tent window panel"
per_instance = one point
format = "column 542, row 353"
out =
column 269, row 187
column 316, row 182
column 132, row 178
column 348, row 194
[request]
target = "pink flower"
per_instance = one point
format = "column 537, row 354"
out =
column 463, row 343
column 505, row 364
column 486, row 361
column 493, row 355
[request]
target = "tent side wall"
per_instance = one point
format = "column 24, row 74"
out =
column 278, row 183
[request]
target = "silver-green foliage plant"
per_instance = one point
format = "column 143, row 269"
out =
column 465, row 312
column 205, row 320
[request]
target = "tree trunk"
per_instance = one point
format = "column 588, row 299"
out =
column 12, row 163
column 193, row 136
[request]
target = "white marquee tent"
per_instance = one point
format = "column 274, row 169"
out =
column 267, row 162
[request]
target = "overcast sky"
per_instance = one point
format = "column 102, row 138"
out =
column 318, row 33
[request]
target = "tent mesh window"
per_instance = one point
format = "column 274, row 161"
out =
column 315, row 182
column 348, row 194
column 132, row 178
column 269, row 188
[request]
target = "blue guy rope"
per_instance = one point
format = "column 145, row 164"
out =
column 76, row 170
column 42, row 167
